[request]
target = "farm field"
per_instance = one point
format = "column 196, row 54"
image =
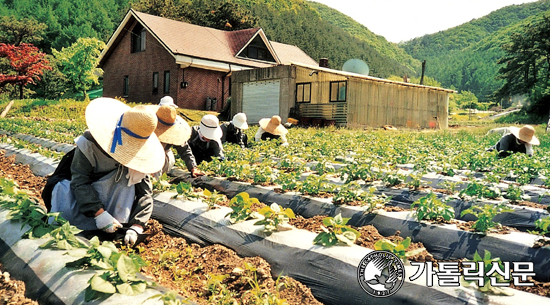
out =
column 371, row 176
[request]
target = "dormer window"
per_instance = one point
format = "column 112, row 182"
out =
column 257, row 50
column 138, row 38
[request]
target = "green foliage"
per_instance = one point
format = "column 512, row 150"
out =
column 399, row 249
column 15, row 31
column 79, row 62
column 480, row 190
column 241, row 205
column 212, row 198
column 168, row 298
column 393, row 179
column 514, row 193
column 487, row 263
column 430, row 207
column 219, row 293
column 316, row 185
column 186, row 191
column 335, row 231
column 275, row 218
column 97, row 255
column 541, row 225
column 122, row 278
column 289, row 181
column 485, row 215
column 161, row 184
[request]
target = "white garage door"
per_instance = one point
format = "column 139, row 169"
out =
column 260, row 100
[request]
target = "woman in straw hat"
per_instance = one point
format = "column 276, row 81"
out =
column 518, row 140
column 171, row 130
column 109, row 185
column 203, row 145
column 271, row 129
column 233, row 130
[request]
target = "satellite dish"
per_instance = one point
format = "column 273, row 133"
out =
column 356, row 66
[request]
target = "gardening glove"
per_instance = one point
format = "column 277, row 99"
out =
column 132, row 234
column 106, row 222
column 195, row 172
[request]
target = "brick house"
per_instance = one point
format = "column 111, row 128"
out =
column 149, row 57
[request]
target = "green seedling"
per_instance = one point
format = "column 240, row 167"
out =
column 485, row 215
column 186, row 191
column 514, row 193
column 289, row 181
column 275, row 218
column 335, row 231
column 213, row 198
column 488, row 263
column 97, row 256
column 399, row 249
column 241, row 206
column 430, row 207
column 122, row 278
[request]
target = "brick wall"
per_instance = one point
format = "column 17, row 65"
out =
column 139, row 68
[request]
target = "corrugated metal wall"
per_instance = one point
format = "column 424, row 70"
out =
column 374, row 103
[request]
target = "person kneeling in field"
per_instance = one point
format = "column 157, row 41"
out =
column 203, row 145
column 518, row 140
column 271, row 129
column 171, row 130
column 109, row 187
column 233, row 132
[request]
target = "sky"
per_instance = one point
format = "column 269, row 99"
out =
column 403, row 20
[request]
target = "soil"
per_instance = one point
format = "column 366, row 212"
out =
column 184, row 267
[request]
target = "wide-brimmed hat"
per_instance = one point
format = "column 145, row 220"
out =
column 273, row 125
column 526, row 134
column 210, row 127
column 126, row 134
column 171, row 128
column 239, row 120
column 167, row 101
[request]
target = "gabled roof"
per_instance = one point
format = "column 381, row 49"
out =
column 192, row 44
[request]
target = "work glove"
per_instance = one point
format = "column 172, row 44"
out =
column 195, row 172
column 106, row 222
column 132, row 234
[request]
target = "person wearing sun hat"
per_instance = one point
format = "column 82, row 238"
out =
column 203, row 145
column 233, row 130
column 171, row 130
column 109, row 184
column 167, row 101
column 518, row 140
column 271, row 128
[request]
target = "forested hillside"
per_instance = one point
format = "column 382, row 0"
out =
column 358, row 30
column 293, row 22
column 465, row 57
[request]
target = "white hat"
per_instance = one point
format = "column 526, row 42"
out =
column 167, row 101
column 126, row 134
column 239, row 120
column 210, row 127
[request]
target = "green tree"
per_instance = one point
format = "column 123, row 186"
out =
column 79, row 62
column 526, row 65
column 14, row 31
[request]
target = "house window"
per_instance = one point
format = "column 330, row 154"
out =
column 257, row 49
column 126, row 86
column 338, row 91
column 155, row 82
column 138, row 39
column 303, row 93
column 166, row 82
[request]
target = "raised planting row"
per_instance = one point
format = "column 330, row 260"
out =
column 414, row 292
column 330, row 272
column 443, row 241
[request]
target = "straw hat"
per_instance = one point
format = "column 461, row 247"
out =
column 167, row 101
column 273, row 125
column 526, row 134
column 171, row 128
column 210, row 127
column 239, row 120
column 137, row 147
